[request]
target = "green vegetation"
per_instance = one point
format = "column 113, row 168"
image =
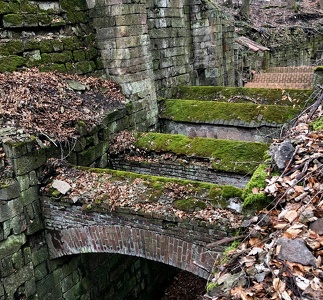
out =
column 224, row 93
column 217, row 194
column 253, row 194
column 209, row 111
column 10, row 63
column 226, row 155
column 317, row 124
column 189, row 205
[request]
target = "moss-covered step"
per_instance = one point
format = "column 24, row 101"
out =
column 289, row 97
column 225, row 155
column 224, row 120
column 107, row 190
column 224, row 113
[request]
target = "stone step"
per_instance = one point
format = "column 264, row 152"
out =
column 305, row 78
column 200, row 159
column 223, row 120
column 300, row 69
column 241, row 94
column 271, row 85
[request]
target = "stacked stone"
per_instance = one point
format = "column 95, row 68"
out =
column 52, row 35
column 213, row 45
column 19, row 219
column 171, row 43
column 122, row 37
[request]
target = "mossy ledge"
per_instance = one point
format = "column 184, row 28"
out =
column 253, row 195
column 217, row 194
column 224, row 93
column 210, row 111
column 226, row 155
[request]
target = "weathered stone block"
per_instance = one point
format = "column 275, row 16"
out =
column 10, row 209
column 29, row 196
column 40, row 271
column 39, row 256
column 12, row 244
column 29, row 162
column 12, row 20
column 86, row 157
column 9, row 190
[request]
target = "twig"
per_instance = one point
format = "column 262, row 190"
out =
column 50, row 139
column 225, row 241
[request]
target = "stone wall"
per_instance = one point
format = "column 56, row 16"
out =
column 185, row 168
column 25, row 270
column 53, row 35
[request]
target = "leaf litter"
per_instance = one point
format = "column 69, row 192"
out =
column 49, row 104
column 281, row 255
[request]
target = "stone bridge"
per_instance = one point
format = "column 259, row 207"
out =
column 155, row 232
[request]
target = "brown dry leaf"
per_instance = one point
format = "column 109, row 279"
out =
column 255, row 191
column 278, row 285
column 255, row 242
column 292, row 233
column 241, row 293
column 291, row 215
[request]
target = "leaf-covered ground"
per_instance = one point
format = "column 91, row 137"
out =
column 281, row 255
column 49, row 104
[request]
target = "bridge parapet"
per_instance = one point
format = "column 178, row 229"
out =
column 160, row 233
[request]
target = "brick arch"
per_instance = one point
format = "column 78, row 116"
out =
column 131, row 241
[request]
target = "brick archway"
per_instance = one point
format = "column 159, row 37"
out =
column 143, row 243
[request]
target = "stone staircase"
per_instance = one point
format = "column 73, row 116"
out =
column 284, row 78
column 212, row 134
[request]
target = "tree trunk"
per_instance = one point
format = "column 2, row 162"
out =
column 245, row 8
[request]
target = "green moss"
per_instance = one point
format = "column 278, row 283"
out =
column 71, row 43
column 78, row 55
column 11, row 63
column 226, row 155
column 77, row 17
column 31, row 20
column 317, row 124
column 58, row 45
column 44, row 19
column 61, row 57
column 225, row 192
column 253, row 193
column 99, row 63
column 26, row 6
column 46, row 46
column 189, row 205
column 73, row 5
column 4, row 8
column 53, row 67
column 31, row 45
column 84, row 67
column 209, row 111
column 221, row 93
column 318, row 68
column 91, row 53
column 13, row 20
column 11, row 47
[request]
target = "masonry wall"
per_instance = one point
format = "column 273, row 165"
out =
column 184, row 167
column 25, row 268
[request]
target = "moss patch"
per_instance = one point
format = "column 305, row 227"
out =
column 215, row 193
column 226, row 155
column 222, row 93
column 209, row 111
column 11, row 63
column 253, row 194
column 317, row 124
column 189, row 205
